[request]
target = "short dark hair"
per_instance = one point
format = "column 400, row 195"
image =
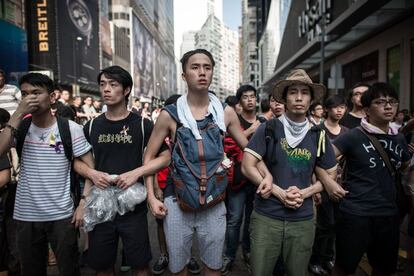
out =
column 314, row 105
column 187, row 55
column 4, row 117
column 351, row 91
column 2, row 73
column 284, row 94
column 38, row 80
column 231, row 101
column 244, row 88
column 333, row 101
column 171, row 99
column 120, row 75
column 58, row 87
column 265, row 105
column 377, row 90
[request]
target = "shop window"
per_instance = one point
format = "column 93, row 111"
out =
column 393, row 67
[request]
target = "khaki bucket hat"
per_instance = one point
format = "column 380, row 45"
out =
column 298, row 76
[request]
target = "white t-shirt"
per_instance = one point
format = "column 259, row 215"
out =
column 43, row 192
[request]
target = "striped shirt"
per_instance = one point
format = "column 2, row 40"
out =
column 43, row 192
column 10, row 97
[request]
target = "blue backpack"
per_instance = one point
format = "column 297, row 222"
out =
column 199, row 179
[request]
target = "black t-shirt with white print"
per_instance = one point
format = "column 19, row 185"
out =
column 371, row 188
column 117, row 145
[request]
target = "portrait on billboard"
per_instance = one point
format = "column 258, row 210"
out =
column 78, row 40
column 143, row 60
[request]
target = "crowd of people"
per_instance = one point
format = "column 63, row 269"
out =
column 304, row 185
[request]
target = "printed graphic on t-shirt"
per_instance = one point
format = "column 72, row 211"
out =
column 120, row 138
column 374, row 158
column 297, row 157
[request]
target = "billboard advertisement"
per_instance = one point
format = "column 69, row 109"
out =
column 143, row 60
column 42, row 35
column 13, row 51
column 78, row 42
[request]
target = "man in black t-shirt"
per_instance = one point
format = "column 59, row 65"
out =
column 353, row 118
column 368, row 220
column 118, row 142
column 240, row 196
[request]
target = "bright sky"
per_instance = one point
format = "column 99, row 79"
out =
column 232, row 13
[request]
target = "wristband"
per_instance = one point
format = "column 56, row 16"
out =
column 83, row 197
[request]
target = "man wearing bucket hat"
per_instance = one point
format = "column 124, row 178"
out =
column 291, row 148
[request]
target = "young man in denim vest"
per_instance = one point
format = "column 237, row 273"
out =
column 209, row 224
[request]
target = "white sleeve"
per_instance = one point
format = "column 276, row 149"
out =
column 80, row 145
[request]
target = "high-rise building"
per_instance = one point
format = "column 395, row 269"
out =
column 250, row 74
column 223, row 43
column 186, row 22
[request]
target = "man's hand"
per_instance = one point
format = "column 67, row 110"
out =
column 77, row 218
column 126, row 180
column 294, row 198
column 265, row 187
column 254, row 126
column 317, row 198
column 335, row 191
column 101, row 180
column 157, row 208
column 28, row 105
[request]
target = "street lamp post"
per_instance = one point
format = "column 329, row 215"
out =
column 75, row 86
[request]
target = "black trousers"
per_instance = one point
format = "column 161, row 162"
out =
column 32, row 243
column 324, row 245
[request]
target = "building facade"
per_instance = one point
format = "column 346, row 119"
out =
column 366, row 41
column 249, row 51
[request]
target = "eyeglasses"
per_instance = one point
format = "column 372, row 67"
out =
column 383, row 103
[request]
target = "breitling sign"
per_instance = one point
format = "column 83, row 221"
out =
column 42, row 25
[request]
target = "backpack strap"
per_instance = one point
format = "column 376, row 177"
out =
column 64, row 131
column 271, row 140
column 21, row 134
column 172, row 110
column 321, row 139
column 89, row 134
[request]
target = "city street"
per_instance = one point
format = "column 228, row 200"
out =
column 239, row 268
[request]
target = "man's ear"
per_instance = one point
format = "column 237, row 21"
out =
column 127, row 91
column 183, row 76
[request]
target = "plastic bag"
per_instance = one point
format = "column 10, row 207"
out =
column 127, row 199
column 101, row 206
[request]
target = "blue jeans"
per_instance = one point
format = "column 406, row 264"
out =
column 237, row 202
